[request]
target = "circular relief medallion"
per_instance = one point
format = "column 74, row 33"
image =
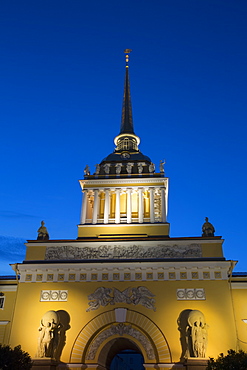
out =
column 54, row 295
column 125, row 155
column 190, row 294
column 63, row 295
column 180, row 294
column 45, row 296
column 200, row 294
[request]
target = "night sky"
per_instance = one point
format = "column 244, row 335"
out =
column 62, row 75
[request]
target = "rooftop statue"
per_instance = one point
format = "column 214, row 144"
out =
column 118, row 168
column 107, row 168
column 87, row 171
column 129, row 167
column 140, row 167
column 162, row 164
column 207, row 228
column 42, row 232
column 151, row 167
column 97, row 170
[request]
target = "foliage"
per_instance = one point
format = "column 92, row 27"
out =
column 14, row 359
column 233, row 361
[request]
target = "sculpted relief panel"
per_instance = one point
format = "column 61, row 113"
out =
column 122, row 252
column 120, row 330
column 103, row 296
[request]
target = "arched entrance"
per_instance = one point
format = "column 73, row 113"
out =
column 105, row 336
column 121, row 353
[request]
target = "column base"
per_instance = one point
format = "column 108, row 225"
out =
column 44, row 364
column 196, row 363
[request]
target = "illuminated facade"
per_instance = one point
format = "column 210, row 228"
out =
column 124, row 284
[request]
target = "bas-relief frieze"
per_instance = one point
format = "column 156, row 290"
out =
column 121, row 330
column 103, row 296
column 122, row 252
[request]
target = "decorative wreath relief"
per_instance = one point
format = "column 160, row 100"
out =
column 104, row 296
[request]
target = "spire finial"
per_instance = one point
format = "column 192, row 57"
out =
column 126, row 52
column 127, row 121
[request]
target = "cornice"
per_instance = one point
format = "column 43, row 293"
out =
column 8, row 288
column 126, row 181
column 239, row 284
column 98, row 242
column 124, row 271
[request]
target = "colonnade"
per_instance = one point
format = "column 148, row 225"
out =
column 118, row 205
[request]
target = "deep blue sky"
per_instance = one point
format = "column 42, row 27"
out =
column 62, row 73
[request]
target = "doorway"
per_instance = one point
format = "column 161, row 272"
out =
column 121, row 354
column 127, row 360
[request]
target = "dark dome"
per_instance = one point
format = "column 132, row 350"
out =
column 130, row 157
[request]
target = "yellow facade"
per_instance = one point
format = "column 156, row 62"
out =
column 124, row 283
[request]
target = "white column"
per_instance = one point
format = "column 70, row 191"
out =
column 129, row 206
column 163, row 204
column 117, row 207
column 84, row 207
column 140, row 205
column 151, row 197
column 95, row 206
column 106, row 206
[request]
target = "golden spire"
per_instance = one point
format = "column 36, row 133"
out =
column 127, row 121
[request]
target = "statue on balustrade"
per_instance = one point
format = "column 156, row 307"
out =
column 97, row 169
column 207, row 228
column 42, row 232
column 151, row 167
column 140, row 167
column 118, row 168
column 107, row 168
column 129, row 167
column 162, row 166
column 87, row 171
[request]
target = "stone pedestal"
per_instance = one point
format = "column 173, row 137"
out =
column 44, row 364
column 196, row 363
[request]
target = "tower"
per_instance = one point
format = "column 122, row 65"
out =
column 125, row 196
column 124, row 284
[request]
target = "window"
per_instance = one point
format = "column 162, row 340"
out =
column 126, row 144
column 2, row 299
